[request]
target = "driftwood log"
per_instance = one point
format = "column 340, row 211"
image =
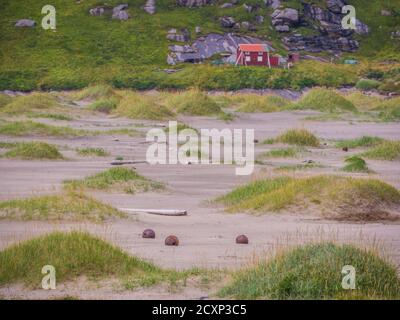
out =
column 161, row 212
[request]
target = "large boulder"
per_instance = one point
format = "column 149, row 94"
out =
column 227, row 22
column 25, row 23
column 335, row 6
column 183, row 36
column 288, row 15
column 194, row 3
column 120, row 12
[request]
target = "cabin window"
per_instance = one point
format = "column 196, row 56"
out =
column 260, row 53
column 259, row 58
column 248, row 58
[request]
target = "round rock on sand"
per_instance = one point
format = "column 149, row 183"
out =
column 149, row 233
column 171, row 241
column 242, row 239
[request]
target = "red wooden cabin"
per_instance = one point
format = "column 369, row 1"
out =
column 255, row 55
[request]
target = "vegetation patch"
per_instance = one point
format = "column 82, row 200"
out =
column 95, row 92
column 119, row 178
column 355, row 164
column 193, row 102
column 138, row 106
column 362, row 101
column 88, row 152
column 364, row 141
column 300, row 137
column 77, row 254
column 313, row 271
column 281, row 153
column 389, row 110
column 105, row 105
column 70, row 205
column 339, row 198
column 367, row 84
column 257, row 103
column 4, row 100
column 324, row 100
column 29, row 103
column 388, row 150
column 52, row 116
column 33, row 150
column 30, row 128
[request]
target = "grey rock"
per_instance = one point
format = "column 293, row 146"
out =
column 386, row 12
column 282, row 28
column 227, row 5
column 227, row 22
column 288, row 15
column 150, row 6
column 120, row 13
column 274, row 4
column 335, row 6
column 259, row 19
column 97, row 11
column 25, row 23
column 248, row 8
column 197, row 29
column 171, row 60
column 194, row 3
column 173, row 35
column 361, row 28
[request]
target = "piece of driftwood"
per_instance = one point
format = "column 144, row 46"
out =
column 121, row 162
column 161, row 212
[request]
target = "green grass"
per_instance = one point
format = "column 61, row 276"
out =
column 355, row 164
column 299, row 137
column 363, row 101
column 364, row 141
column 257, row 103
column 281, row 153
column 34, row 150
column 313, row 271
column 193, row 102
column 367, row 84
column 297, row 167
column 94, row 92
column 138, row 106
column 29, row 103
column 339, row 198
column 70, row 205
column 105, row 105
column 30, row 128
column 88, row 152
column 119, row 178
column 389, row 110
column 388, row 150
column 324, row 100
column 4, row 100
column 77, row 254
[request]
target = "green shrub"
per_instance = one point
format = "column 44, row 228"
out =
column 34, row 150
column 367, row 84
column 355, row 164
column 314, row 271
column 300, row 137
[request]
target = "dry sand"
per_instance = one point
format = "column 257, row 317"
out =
column 207, row 234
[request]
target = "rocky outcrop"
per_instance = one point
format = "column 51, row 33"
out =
column 25, row 23
column 150, row 6
column 183, row 36
column 274, row 4
column 282, row 20
column 206, row 47
column 320, row 43
column 227, row 22
column 227, row 5
column 194, row 3
column 97, row 11
column 120, row 12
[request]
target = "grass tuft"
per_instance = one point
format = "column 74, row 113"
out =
column 87, row 152
column 300, row 137
column 324, row 100
column 34, row 150
column 388, row 150
column 70, row 205
column 257, row 103
column 355, row 164
column 364, row 141
column 314, row 271
column 28, row 128
column 338, row 198
column 76, row 254
column 120, row 178
column 29, row 103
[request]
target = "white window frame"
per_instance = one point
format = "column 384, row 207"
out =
column 248, row 58
column 260, row 58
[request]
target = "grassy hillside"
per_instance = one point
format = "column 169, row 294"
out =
column 86, row 49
